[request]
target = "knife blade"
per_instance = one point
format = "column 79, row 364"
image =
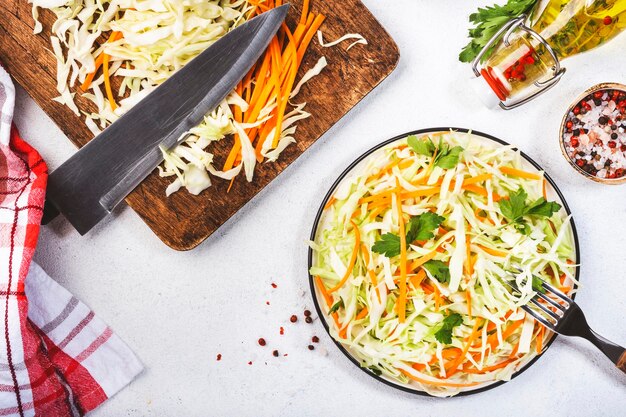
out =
column 87, row 186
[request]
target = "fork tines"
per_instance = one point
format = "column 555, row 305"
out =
column 545, row 309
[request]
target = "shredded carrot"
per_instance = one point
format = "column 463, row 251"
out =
column 99, row 60
column 477, row 179
column 545, row 194
column 401, row 302
column 330, row 202
column 427, row 288
column 355, row 252
column 540, row 339
column 422, row 260
column 328, row 298
column 377, row 197
column 107, row 81
column 482, row 191
column 305, row 12
column 372, row 275
column 417, row 279
column 271, row 80
column 519, row 173
column 468, row 298
column 283, row 96
column 343, row 332
column 317, row 22
column 361, row 314
column 419, row 366
column 454, row 365
column 493, row 252
column 421, row 193
column 374, row 213
column 437, row 297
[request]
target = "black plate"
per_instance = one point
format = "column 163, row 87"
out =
column 330, row 192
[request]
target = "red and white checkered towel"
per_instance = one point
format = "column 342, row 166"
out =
column 56, row 358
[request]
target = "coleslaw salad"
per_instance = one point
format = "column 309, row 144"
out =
column 435, row 314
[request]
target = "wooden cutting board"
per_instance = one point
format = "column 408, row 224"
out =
column 182, row 220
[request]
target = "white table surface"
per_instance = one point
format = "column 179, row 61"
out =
column 178, row 310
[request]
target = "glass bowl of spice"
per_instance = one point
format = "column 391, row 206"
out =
column 593, row 133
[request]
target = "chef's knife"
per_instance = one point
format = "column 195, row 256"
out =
column 102, row 173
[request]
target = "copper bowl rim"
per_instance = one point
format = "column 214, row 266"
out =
column 590, row 90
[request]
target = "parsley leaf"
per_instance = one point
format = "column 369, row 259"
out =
column 421, row 227
column 445, row 158
column 515, row 208
column 537, row 284
column 449, row 158
column 439, row 270
column 335, row 307
column 421, row 146
column 487, row 21
column 444, row 335
column 388, row 245
column 542, row 207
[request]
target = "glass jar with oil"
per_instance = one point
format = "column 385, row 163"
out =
column 527, row 61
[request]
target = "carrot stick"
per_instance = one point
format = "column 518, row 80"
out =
column 451, row 370
column 230, row 160
column 305, row 12
column 493, row 252
column 372, row 275
column 540, row 339
column 519, row 173
column 283, row 97
column 422, row 260
column 362, row 314
column 468, row 298
column 421, row 193
column 437, row 297
column 401, row 302
column 480, row 190
column 107, row 81
column 417, row 279
column 377, row 197
column 319, row 19
column 374, row 213
column 99, row 60
column 355, row 252
column 476, row 179
column 328, row 298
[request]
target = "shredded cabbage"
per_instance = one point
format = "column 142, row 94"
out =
column 158, row 38
column 501, row 256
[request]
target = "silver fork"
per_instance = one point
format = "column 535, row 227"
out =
column 567, row 319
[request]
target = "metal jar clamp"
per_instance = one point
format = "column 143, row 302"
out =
column 508, row 30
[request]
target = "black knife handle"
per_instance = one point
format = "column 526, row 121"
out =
column 49, row 212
